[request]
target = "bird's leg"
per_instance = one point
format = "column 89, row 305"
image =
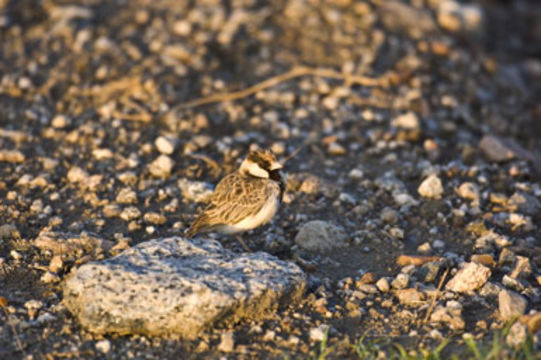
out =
column 243, row 244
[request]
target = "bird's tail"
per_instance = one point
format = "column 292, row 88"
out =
column 191, row 232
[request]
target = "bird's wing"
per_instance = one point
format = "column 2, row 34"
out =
column 235, row 199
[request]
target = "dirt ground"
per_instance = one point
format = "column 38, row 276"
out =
column 106, row 105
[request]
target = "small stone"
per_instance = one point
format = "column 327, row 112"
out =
column 227, row 342
column 196, row 191
column 511, row 304
column 401, row 281
column 490, row 289
column 101, row 154
column 165, row 145
column 126, row 196
column 103, row 346
column 111, row 210
column 383, row 285
column 389, row 215
column 424, row 248
column 495, row 149
column 404, row 199
column 130, row 213
column 429, row 272
column 512, row 283
column 33, row 306
column 524, row 203
column 517, row 336
column 49, row 277
column 56, row 263
column 330, row 102
column 408, row 121
column 320, row 236
column 347, row 198
column 468, row 191
column 367, row 278
column 396, row 233
column 438, row 244
column 182, row 27
column 7, row 231
column 471, row 277
column 410, row 297
column 77, row 175
column 154, row 218
column 270, row 335
column 60, row 121
column 454, row 16
column 451, row 314
column 417, row 260
column 522, row 269
column 356, row 174
column 318, row 334
column 336, row 149
column 11, row 156
column 484, row 259
column 161, row 167
column 431, row 187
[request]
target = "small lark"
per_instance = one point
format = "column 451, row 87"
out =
column 245, row 199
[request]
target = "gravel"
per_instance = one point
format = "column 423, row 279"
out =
column 415, row 122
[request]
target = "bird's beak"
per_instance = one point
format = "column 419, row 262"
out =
column 276, row 166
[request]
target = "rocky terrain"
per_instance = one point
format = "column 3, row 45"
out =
column 413, row 205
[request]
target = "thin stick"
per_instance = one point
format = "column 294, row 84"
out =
column 213, row 164
column 436, row 294
column 297, row 150
column 3, row 303
column 293, row 73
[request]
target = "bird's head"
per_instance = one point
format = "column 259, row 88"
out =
column 260, row 163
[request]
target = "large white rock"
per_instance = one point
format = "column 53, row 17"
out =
column 178, row 286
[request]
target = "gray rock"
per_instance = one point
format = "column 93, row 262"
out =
column 178, row 286
column 320, row 236
column 511, row 304
column 471, row 277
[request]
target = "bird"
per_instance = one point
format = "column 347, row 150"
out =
column 245, row 199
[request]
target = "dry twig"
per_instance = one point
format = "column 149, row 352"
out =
column 436, row 294
column 213, row 164
column 291, row 74
column 3, row 305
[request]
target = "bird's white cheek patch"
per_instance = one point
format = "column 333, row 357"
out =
column 257, row 171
